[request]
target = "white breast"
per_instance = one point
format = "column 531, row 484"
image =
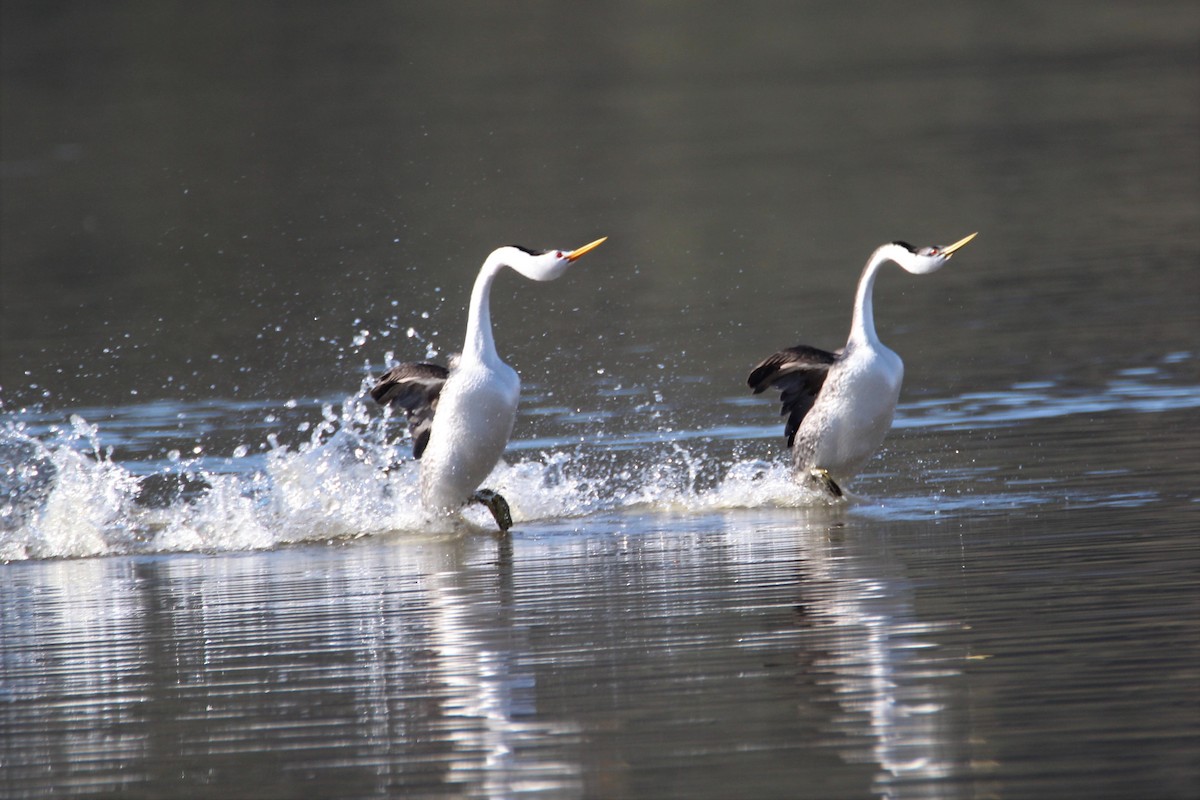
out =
column 853, row 413
column 470, row 430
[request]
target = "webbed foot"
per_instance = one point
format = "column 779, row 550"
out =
column 826, row 481
column 495, row 504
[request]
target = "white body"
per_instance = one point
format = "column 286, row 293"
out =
column 853, row 415
column 474, row 419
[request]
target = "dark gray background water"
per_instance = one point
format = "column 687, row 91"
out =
column 205, row 204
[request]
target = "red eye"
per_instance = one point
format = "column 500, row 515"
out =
column 933, row 251
column 558, row 253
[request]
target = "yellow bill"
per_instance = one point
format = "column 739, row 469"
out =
column 587, row 248
column 948, row 250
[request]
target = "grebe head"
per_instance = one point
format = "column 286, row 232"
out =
column 542, row 265
column 924, row 260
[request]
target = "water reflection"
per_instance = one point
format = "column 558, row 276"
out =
column 486, row 696
column 863, row 640
column 73, row 682
column 460, row 666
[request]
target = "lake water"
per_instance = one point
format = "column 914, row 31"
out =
column 219, row 221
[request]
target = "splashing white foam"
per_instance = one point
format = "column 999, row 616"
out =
column 64, row 496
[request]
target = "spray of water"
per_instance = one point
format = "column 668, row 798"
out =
column 63, row 495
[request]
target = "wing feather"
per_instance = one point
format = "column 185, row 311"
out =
column 415, row 388
column 799, row 373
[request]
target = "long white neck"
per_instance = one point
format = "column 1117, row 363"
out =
column 862, row 329
column 480, row 345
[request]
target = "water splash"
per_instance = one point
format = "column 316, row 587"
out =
column 62, row 493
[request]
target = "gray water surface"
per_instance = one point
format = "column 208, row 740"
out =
column 218, row 222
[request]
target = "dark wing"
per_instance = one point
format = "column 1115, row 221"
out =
column 799, row 372
column 415, row 388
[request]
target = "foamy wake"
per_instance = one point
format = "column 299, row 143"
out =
column 63, row 495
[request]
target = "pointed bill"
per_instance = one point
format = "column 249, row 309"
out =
column 587, row 248
column 948, row 250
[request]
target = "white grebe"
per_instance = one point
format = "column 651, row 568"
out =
column 840, row 405
column 461, row 417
